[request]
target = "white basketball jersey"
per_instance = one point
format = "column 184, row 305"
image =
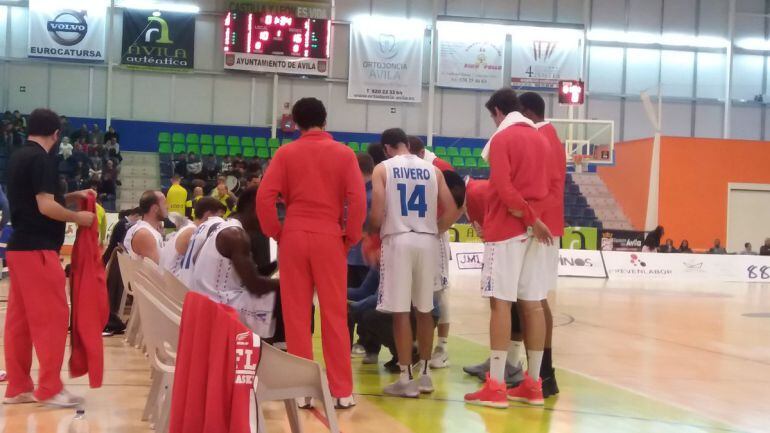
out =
column 170, row 259
column 411, row 196
column 197, row 240
column 134, row 229
column 215, row 277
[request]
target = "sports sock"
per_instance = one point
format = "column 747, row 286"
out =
column 406, row 373
column 423, row 367
column 442, row 342
column 515, row 350
column 497, row 365
column 547, row 367
column 535, row 360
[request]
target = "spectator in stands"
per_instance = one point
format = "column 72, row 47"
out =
column 95, row 161
column 65, row 148
column 194, row 166
column 197, row 195
column 747, row 250
column 764, row 250
column 684, row 247
column 668, row 248
column 108, row 183
column 84, row 145
column 254, row 179
column 81, row 133
column 8, row 116
column 112, row 144
column 211, row 167
column 227, row 165
column 377, row 152
column 652, row 241
column 253, row 166
column 225, row 197
column 10, row 139
column 19, row 120
column 111, row 133
column 717, row 248
column 176, row 196
column 114, row 155
column 97, row 136
column 66, row 128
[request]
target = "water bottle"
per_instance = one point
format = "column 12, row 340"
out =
column 79, row 423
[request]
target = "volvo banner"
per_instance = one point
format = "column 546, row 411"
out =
column 71, row 30
column 158, row 40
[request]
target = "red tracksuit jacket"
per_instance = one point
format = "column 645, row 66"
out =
column 216, row 370
column 90, row 307
column 553, row 206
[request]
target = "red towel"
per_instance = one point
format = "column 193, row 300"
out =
column 90, row 307
column 215, row 371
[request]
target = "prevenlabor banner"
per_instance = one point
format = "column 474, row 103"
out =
column 470, row 55
column 541, row 56
column 71, row 30
column 624, row 265
column 158, row 39
column 386, row 60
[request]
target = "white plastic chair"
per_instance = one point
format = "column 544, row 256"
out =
column 282, row 376
column 161, row 327
column 128, row 267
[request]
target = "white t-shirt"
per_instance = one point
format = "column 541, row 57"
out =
column 170, row 259
column 197, row 240
column 134, row 229
column 411, row 196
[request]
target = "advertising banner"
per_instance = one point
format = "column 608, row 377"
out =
column 73, row 30
column 470, row 55
column 386, row 60
column 277, row 64
column 541, row 56
column 581, row 263
column 655, row 266
column 580, row 238
column 622, row 240
column 463, row 233
column 158, row 40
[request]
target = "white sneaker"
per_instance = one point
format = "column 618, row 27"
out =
column 439, row 359
column 305, row 402
column 63, row 399
column 345, row 402
column 370, row 358
column 398, row 388
column 358, row 350
column 24, row 397
column 3, row 375
column 425, row 384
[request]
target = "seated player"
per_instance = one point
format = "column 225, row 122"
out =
column 406, row 195
column 144, row 238
column 194, row 245
column 176, row 244
column 225, row 272
column 361, row 300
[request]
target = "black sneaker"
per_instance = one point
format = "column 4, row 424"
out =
column 550, row 388
column 392, row 366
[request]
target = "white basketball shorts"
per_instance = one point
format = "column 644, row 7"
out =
column 409, row 272
column 445, row 253
column 516, row 269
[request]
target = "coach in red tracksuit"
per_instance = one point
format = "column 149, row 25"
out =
column 322, row 187
column 38, row 315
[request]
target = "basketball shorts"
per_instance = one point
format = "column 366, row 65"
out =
column 409, row 272
column 256, row 312
column 515, row 269
column 552, row 261
column 445, row 253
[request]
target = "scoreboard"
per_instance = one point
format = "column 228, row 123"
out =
column 277, row 40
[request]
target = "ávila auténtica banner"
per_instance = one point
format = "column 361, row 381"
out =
column 158, row 39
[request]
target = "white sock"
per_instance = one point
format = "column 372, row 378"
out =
column 497, row 365
column 515, row 350
column 535, row 358
column 442, row 342
column 406, row 373
column 423, row 367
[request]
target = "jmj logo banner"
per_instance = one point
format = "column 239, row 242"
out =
column 386, row 60
column 72, row 31
column 158, row 40
column 541, row 56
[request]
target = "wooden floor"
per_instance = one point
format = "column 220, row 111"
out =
column 631, row 357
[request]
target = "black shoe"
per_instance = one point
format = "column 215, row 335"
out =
column 392, row 366
column 550, row 388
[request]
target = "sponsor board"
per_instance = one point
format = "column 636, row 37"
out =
column 276, row 64
column 158, row 40
column 470, row 55
column 464, row 233
column 580, row 238
column 622, row 240
column 541, row 57
column 656, row 266
column 74, row 30
column 581, row 263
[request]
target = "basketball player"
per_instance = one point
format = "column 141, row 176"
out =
column 176, row 244
column 440, row 357
column 196, row 241
column 323, row 191
column 533, row 107
column 38, row 314
column 406, row 195
column 514, row 260
column 144, row 238
column 226, row 273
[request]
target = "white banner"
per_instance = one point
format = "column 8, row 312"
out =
column 386, row 60
column 581, row 263
column 470, row 55
column 71, row 30
column 656, row 266
column 276, row 64
column 541, row 56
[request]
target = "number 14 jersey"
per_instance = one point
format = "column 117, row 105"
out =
column 411, row 196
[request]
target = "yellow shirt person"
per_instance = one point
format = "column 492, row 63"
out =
column 176, row 197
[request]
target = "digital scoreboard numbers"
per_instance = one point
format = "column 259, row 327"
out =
column 571, row 92
column 266, row 37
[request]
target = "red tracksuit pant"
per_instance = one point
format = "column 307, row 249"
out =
column 317, row 261
column 37, row 316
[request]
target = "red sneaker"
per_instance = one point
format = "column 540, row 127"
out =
column 492, row 394
column 528, row 391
